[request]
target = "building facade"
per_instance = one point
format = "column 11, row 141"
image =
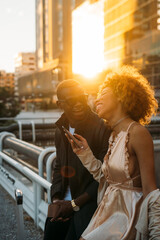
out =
column 53, row 37
column 7, row 80
column 132, row 36
column 53, row 51
column 25, row 63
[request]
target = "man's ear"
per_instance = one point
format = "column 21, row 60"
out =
column 59, row 105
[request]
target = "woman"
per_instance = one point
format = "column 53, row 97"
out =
column 126, row 101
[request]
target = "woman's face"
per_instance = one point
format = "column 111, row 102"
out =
column 106, row 104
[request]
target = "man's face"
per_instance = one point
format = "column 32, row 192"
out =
column 74, row 103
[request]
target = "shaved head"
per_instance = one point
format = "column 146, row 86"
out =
column 70, row 83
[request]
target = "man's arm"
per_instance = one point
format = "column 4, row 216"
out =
column 56, row 187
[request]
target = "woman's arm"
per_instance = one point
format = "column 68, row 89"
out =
column 93, row 165
column 86, row 156
column 142, row 145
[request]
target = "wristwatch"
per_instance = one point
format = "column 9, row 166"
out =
column 74, row 206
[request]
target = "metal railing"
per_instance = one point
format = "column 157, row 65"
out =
column 31, row 131
column 36, row 189
column 14, row 175
column 28, row 119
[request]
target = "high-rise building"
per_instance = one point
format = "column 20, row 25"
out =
column 130, row 32
column 53, row 50
column 53, row 37
column 24, row 64
column 132, row 36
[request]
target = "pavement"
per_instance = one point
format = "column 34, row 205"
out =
column 8, row 221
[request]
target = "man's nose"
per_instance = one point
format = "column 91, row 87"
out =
column 77, row 103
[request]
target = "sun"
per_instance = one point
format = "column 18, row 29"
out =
column 88, row 39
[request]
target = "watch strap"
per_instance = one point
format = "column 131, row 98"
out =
column 73, row 203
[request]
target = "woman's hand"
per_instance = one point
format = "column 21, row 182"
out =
column 81, row 143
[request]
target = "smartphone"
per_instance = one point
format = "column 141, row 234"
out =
column 71, row 136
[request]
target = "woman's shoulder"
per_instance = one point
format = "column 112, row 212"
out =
column 137, row 128
column 139, row 133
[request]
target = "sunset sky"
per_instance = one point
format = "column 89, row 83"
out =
column 17, row 30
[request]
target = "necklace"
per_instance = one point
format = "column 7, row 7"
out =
column 119, row 121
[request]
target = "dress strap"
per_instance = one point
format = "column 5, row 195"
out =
column 130, row 125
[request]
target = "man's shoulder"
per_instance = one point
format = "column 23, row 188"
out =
column 94, row 117
column 98, row 121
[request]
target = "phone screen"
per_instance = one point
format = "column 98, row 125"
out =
column 70, row 136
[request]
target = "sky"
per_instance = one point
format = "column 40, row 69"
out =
column 17, row 30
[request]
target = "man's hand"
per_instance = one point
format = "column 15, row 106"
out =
column 53, row 210
column 63, row 210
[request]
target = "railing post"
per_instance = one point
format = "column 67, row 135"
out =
column 2, row 136
column 33, row 132
column 48, row 166
column 49, row 172
column 40, row 164
column 20, row 130
column 41, row 157
column 20, row 221
column 39, row 196
column 35, row 201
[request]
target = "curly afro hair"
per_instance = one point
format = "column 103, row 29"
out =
column 134, row 92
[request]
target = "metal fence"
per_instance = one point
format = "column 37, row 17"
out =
column 14, row 175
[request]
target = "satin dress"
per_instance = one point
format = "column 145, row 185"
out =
column 119, row 202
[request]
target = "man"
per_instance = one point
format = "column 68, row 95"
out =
column 74, row 191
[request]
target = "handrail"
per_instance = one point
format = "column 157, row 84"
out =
column 20, row 146
column 34, row 204
column 26, row 118
column 28, row 125
column 26, row 171
column 31, row 131
column 154, row 119
column 15, row 175
column 41, row 158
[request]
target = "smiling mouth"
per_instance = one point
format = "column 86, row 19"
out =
column 78, row 109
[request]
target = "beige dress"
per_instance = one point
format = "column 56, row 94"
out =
column 118, row 197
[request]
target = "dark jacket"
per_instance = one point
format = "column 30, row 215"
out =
column 68, row 169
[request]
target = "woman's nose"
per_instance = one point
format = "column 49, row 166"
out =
column 96, row 101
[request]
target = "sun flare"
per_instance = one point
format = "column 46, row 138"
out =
column 88, row 39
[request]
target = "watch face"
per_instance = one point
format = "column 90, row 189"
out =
column 76, row 208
